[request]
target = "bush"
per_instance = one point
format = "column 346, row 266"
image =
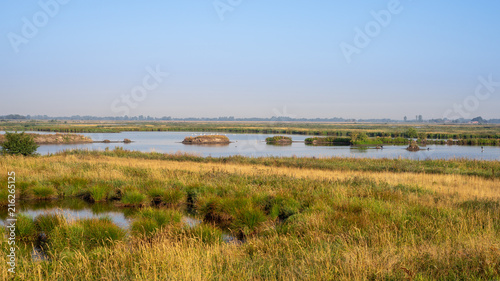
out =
column 16, row 144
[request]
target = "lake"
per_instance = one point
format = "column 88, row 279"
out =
column 253, row 145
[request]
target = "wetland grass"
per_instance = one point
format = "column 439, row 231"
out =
column 316, row 219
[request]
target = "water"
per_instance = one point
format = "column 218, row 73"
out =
column 253, row 145
column 74, row 209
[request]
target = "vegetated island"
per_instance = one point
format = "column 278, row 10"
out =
column 279, row 140
column 56, row 138
column 413, row 146
column 64, row 139
column 108, row 141
column 328, row 141
column 207, row 139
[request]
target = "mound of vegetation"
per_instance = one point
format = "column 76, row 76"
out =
column 328, row 141
column 54, row 138
column 279, row 140
column 209, row 139
column 413, row 146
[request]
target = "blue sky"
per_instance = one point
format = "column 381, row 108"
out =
column 250, row 58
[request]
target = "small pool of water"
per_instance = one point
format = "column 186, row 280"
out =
column 74, row 209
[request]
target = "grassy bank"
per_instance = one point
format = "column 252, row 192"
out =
column 319, row 219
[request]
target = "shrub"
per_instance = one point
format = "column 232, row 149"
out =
column 16, row 144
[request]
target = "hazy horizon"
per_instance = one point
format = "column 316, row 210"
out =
column 382, row 59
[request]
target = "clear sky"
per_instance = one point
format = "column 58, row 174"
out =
column 258, row 58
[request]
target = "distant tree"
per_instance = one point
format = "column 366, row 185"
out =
column 412, row 133
column 362, row 136
column 479, row 119
column 354, row 136
column 420, row 119
column 406, row 118
column 19, row 144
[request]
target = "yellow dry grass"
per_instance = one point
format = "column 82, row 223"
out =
column 464, row 187
column 351, row 255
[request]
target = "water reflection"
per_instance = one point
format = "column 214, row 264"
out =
column 74, row 209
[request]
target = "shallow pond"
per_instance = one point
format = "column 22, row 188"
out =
column 75, row 208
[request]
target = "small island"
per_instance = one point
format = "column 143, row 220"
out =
column 413, row 146
column 328, row 141
column 56, row 139
column 43, row 139
column 207, row 139
column 279, row 140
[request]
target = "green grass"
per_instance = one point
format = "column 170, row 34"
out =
column 43, row 191
column 25, row 228
column 84, row 234
column 48, row 222
column 174, row 197
column 133, row 197
column 148, row 221
column 99, row 192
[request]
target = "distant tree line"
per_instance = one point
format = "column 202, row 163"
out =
column 418, row 118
